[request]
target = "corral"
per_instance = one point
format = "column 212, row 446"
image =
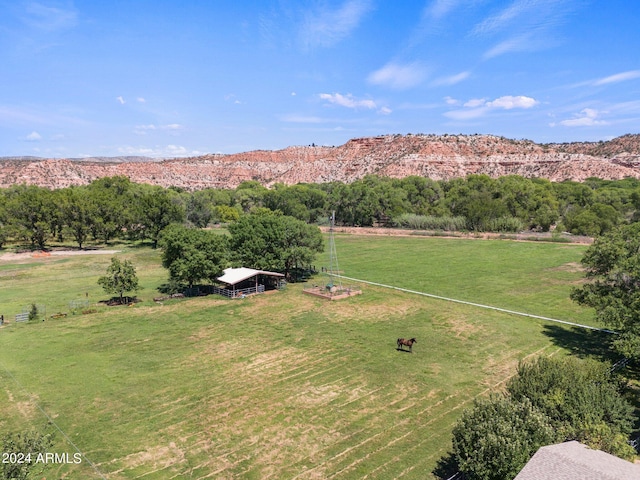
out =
column 284, row 385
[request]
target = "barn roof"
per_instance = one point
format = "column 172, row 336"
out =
column 232, row 276
column 575, row 461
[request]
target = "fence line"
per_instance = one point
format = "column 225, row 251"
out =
column 479, row 305
column 209, row 289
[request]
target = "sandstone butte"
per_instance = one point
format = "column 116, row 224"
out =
column 435, row 156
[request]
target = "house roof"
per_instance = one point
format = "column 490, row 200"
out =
column 575, row 461
column 232, row 276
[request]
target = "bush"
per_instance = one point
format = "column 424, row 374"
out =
column 430, row 222
column 504, row 224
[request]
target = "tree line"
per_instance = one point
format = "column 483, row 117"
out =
column 114, row 207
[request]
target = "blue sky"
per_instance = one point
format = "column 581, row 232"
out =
column 177, row 78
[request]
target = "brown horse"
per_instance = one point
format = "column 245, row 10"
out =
column 409, row 343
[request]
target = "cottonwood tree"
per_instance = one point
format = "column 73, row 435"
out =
column 612, row 265
column 550, row 400
column 31, row 210
column 156, row 208
column 120, row 278
column 270, row 241
column 191, row 254
column 76, row 213
column 581, row 399
column 496, row 437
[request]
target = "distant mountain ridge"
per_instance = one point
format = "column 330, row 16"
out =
column 434, row 156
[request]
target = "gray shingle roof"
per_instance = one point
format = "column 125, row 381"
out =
column 575, row 461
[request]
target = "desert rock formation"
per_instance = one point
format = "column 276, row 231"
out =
column 434, row 156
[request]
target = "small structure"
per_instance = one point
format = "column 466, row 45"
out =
column 246, row 281
column 575, row 461
column 333, row 288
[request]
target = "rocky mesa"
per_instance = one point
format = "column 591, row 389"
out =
column 434, row 156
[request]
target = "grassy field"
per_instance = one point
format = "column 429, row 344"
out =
column 281, row 385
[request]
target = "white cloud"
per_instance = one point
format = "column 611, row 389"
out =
column 587, row 117
column 326, row 27
column 347, row 101
column 121, row 100
column 451, row 80
column 140, row 100
column 618, row 77
column 385, row 111
column 399, row 76
column 451, row 101
column 478, row 107
column 508, row 102
column 33, row 137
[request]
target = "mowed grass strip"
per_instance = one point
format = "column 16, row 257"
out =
column 276, row 386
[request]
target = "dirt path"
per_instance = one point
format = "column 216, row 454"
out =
column 399, row 232
column 11, row 257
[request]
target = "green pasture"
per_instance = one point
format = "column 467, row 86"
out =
column 528, row 277
column 281, row 385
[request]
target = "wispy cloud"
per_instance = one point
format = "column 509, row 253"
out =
column 167, row 151
column 399, row 76
column 172, row 128
column 450, row 80
column 121, row 100
column 527, row 25
column 478, row 107
column 348, row 101
column 526, row 42
column 441, row 8
column 328, row 26
column 295, row 118
column 618, row 77
column 47, row 18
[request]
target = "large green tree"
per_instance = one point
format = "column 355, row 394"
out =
column 495, row 438
column 271, row 241
column 192, row 255
column 612, row 265
column 112, row 207
column 581, row 399
column 156, row 209
column 32, row 212
column 549, row 400
column 76, row 213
